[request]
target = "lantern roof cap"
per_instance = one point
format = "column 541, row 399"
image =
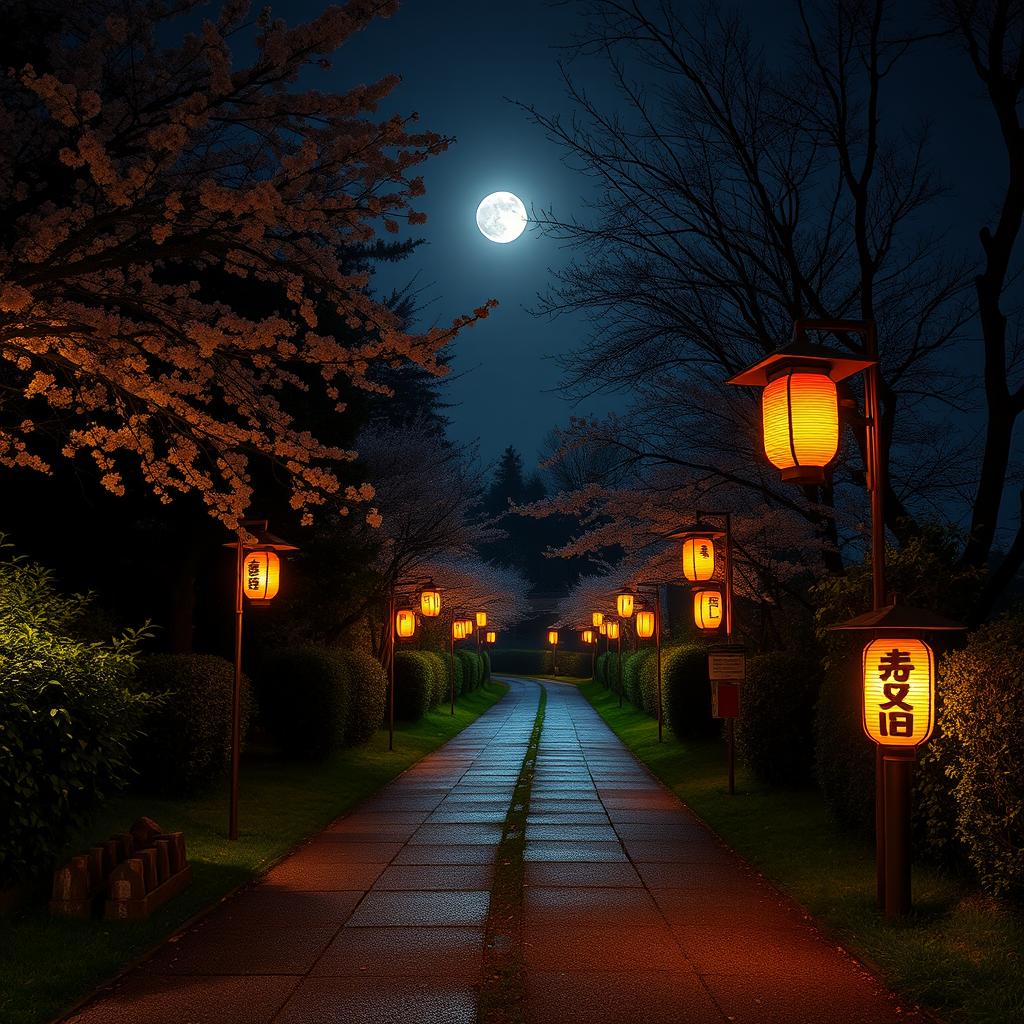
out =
column 265, row 540
column 697, row 529
column 802, row 354
column 898, row 617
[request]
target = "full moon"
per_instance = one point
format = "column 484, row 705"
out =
column 501, row 217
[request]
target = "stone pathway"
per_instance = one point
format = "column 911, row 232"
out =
column 634, row 912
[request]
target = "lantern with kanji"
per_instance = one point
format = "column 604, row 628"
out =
column 698, row 558
column 553, row 637
column 603, row 629
column 899, row 691
column 261, row 576
column 707, row 609
column 645, row 624
column 467, row 625
column 430, row 603
column 459, row 629
column 596, row 618
column 624, row 605
column 405, row 623
column 490, row 637
column 588, row 636
column 612, row 630
column 481, row 619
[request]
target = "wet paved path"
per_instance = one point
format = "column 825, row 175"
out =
column 634, row 912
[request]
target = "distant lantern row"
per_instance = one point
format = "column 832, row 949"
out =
column 430, row 607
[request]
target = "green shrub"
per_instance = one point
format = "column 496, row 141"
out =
column 632, row 669
column 487, row 666
column 649, row 684
column 605, row 667
column 775, row 728
column 538, row 663
column 688, row 691
column 414, row 685
column 367, row 695
column 186, row 741
column 980, row 731
column 472, row 670
column 68, row 717
column 303, row 697
column 438, row 677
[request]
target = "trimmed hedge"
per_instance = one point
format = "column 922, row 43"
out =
column 688, row 691
column 367, row 695
column 776, row 720
column 187, row 735
column 414, row 685
column 649, row 683
column 538, row 663
column 438, row 677
column 472, row 670
column 632, row 670
column 304, row 698
column 981, row 739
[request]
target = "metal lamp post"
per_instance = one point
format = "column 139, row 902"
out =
column 642, row 632
column 780, row 371
column 257, row 579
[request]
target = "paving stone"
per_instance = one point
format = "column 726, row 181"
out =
column 600, row 833
column 397, row 909
column 403, row 952
column 576, row 947
column 427, row 835
column 554, row 850
column 436, row 876
column 322, row 876
column 359, row 1000
column 582, row 905
column 444, row 854
column 575, row 873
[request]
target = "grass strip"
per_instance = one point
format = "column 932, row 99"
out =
column 47, row 964
column 503, row 989
column 958, row 954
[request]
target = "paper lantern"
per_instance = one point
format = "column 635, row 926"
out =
column 624, row 604
column 613, row 630
column 707, row 609
column 603, row 629
column 481, row 618
column 405, row 623
column 588, row 636
column 467, row 625
column 261, row 576
column 698, row 559
column 459, row 629
column 899, row 691
column 801, row 424
column 430, row 603
column 645, row 624
column 552, row 637
column 490, row 637
column 597, row 618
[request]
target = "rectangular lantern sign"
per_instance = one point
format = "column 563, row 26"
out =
column 727, row 667
column 899, row 692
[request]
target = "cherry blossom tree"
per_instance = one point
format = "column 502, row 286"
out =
column 149, row 189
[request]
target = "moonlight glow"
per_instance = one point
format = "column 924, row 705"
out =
column 501, row 217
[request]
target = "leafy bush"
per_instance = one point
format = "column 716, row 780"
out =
column 303, row 695
column 186, row 741
column 980, row 731
column 487, row 666
column 414, row 685
column 632, row 669
column 688, row 691
column 368, row 687
column 538, row 663
column 775, row 727
column 460, row 670
column 649, row 684
column 438, row 677
column 472, row 670
column 606, row 669
column 68, row 717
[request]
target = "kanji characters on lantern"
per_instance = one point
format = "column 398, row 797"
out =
column 405, row 623
column 707, row 609
column 698, row 559
column 899, row 691
column 261, row 576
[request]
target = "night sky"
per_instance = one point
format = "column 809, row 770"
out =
column 462, row 63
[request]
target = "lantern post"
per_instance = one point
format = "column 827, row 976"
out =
column 263, row 582
column 553, row 641
column 615, row 633
column 838, row 366
column 392, row 634
column 654, row 588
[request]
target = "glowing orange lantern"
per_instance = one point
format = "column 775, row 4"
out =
column 552, row 637
column 645, row 624
column 588, row 636
column 613, row 630
column 899, row 692
column 490, row 637
column 698, row 559
column 481, row 618
column 261, row 576
column 597, row 618
column 707, row 609
column 430, row 603
column 467, row 625
column 459, row 629
column 603, row 629
column 624, row 604
column 405, row 623
column 801, row 424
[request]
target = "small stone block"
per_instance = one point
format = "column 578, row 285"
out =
column 163, row 860
column 127, row 881
column 176, row 850
column 145, row 832
column 148, row 858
